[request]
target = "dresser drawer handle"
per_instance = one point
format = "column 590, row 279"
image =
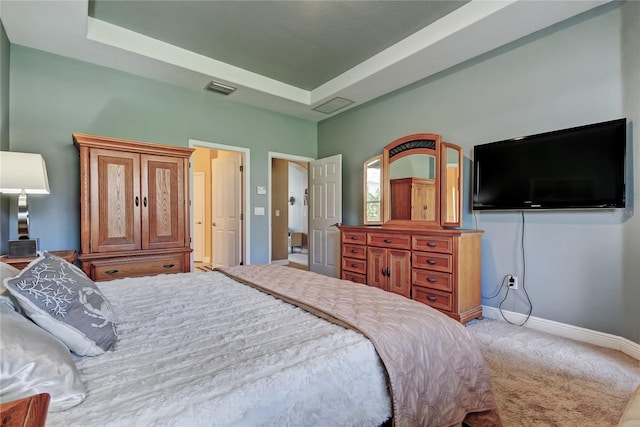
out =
column 432, row 261
column 354, row 251
column 168, row 265
column 431, row 280
column 388, row 240
column 354, row 237
column 111, row 271
column 354, row 265
column 432, row 298
column 432, row 244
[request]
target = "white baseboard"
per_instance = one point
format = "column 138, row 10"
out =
column 280, row 261
column 577, row 333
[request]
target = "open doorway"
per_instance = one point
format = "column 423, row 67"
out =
column 219, row 232
column 289, row 210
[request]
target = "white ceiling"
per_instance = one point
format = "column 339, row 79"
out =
column 287, row 56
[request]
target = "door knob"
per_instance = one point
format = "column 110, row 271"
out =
column 199, row 222
column 214, row 224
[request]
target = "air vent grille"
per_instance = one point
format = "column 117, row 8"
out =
column 220, row 88
column 333, row 105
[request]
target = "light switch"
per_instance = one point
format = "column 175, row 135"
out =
column 277, row 212
column 258, row 211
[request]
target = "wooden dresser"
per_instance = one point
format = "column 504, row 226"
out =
column 134, row 207
column 438, row 267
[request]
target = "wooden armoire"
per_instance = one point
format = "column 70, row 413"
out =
column 134, row 207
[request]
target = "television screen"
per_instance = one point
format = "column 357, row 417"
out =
column 581, row 167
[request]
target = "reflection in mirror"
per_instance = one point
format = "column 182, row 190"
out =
column 373, row 190
column 452, row 186
column 413, row 166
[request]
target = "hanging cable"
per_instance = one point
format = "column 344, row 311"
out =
column 524, row 276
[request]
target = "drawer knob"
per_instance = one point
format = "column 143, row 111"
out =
column 432, row 298
column 354, row 237
column 354, row 265
column 431, row 280
column 388, row 240
column 111, row 271
column 168, row 265
column 432, row 244
column 432, row 261
column 354, row 251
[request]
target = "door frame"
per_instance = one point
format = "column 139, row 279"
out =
column 192, row 209
column 283, row 156
column 245, row 224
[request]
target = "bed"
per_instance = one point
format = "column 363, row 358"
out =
column 271, row 345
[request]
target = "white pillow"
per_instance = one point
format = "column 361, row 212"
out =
column 34, row 361
column 62, row 300
column 7, row 272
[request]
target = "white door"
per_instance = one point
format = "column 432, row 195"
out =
column 225, row 210
column 325, row 194
column 198, row 216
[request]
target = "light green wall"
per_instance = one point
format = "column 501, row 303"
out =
column 579, row 267
column 4, row 131
column 52, row 96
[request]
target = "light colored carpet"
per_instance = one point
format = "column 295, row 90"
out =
column 545, row 380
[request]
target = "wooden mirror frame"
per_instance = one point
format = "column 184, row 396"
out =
column 430, row 144
column 455, row 203
column 365, row 188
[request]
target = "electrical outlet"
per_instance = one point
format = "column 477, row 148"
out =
column 512, row 281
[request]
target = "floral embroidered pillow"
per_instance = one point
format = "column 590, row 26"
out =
column 61, row 299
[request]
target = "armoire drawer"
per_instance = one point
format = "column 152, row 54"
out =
column 118, row 268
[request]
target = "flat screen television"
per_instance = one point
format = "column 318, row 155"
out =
column 576, row 168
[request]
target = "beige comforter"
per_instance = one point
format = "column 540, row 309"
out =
column 436, row 372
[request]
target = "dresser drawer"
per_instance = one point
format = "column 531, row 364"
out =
column 119, row 268
column 436, row 299
column 354, row 265
column 432, row 279
column 396, row 241
column 433, row 261
column 354, row 237
column 354, row 277
column 354, row 251
column 441, row 244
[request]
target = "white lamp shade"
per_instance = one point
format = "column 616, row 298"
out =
column 23, row 172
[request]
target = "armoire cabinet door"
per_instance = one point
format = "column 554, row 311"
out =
column 115, row 200
column 376, row 264
column 163, row 202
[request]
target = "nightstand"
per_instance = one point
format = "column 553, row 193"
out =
column 28, row 412
column 20, row 263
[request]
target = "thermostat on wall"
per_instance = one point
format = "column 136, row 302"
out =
column 261, row 190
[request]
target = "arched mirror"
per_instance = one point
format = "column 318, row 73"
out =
column 412, row 190
column 416, row 181
column 372, row 180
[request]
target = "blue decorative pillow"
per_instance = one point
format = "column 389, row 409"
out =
column 61, row 299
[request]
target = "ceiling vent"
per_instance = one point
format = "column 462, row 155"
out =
column 333, row 105
column 220, row 88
